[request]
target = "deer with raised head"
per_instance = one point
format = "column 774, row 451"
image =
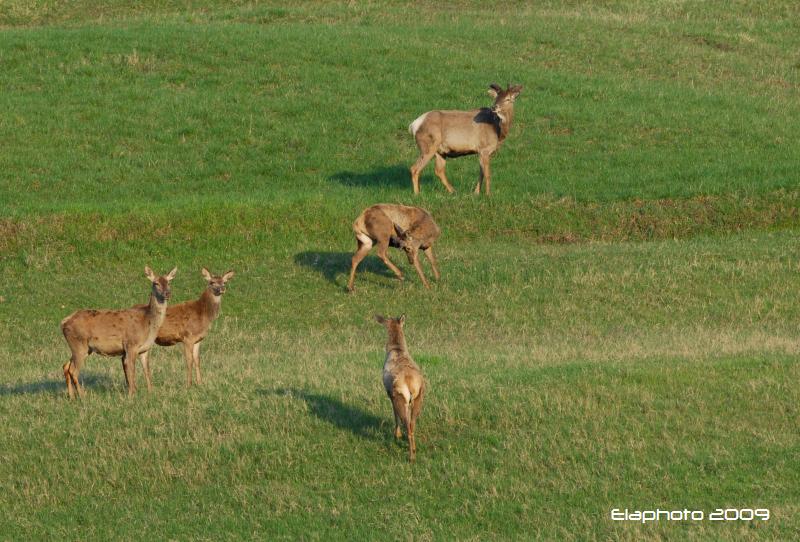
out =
column 125, row 332
column 450, row 134
column 189, row 322
column 409, row 228
column 403, row 381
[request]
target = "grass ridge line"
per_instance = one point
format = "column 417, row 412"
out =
column 539, row 219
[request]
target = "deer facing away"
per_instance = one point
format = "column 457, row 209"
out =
column 385, row 225
column 189, row 322
column 126, row 332
column 449, row 134
column 403, row 381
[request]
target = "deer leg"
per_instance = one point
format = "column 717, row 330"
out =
column 418, row 267
column 129, row 365
column 72, row 370
column 480, row 180
column 364, row 246
column 189, row 357
column 418, row 166
column 431, row 258
column 439, row 170
column 68, row 378
column 401, row 409
column 485, row 176
column 416, row 408
column 412, row 442
column 397, row 432
column 382, row 248
column 196, row 356
column 125, row 370
column 145, row 357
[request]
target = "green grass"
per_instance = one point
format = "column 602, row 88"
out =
column 615, row 328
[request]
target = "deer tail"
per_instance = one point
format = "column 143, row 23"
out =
column 414, row 126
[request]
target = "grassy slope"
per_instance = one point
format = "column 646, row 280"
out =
column 567, row 378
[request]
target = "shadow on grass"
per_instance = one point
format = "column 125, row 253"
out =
column 337, row 413
column 334, row 264
column 392, row 176
column 101, row 382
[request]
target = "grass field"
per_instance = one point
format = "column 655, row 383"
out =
column 616, row 327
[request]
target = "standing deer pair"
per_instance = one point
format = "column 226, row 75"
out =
column 126, row 332
column 131, row 333
column 450, row 134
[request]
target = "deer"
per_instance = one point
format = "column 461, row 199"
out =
column 403, row 381
column 125, row 332
column 189, row 323
column 450, row 134
column 399, row 226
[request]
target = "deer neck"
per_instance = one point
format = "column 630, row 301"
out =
column 396, row 343
column 505, row 116
column 156, row 312
column 210, row 303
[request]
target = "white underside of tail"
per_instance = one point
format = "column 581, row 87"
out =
column 414, row 126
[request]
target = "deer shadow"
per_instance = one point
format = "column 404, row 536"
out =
column 339, row 414
column 54, row 386
column 333, row 264
column 391, row 176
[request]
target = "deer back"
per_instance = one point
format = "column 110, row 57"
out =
column 468, row 132
column 190, row 319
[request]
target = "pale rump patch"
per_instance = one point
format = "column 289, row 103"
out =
column 364, row 239
column 404, row 391
column 414, row 126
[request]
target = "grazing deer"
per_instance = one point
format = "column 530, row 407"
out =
column 450, row 134
column 403, row 381
column 189, row 322
column 126, row 332
column 408, row 228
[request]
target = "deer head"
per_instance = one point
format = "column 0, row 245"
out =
column 407, row 242
column 394, row 328
column 161, row 286
column 503, row 99
column 216, row 283
column 393, row 325
column 399, row 321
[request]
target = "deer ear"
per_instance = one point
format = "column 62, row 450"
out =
column 380, row 319
column 402, row 319
column 515, row 90
column 494, row 90
column 149, row 273
column 227, row 276
column 171, row 274
column 400, row 232
column 206, row 274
